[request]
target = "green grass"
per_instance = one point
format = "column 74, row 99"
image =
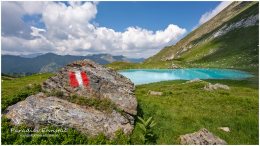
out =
column 229, row 51
column 18, row 89
column 142, row 65
column 186, row 108
column 11, row 87
column 105, row 104
column 183, row 108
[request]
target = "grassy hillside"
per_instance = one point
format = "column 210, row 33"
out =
column 183, row 108
column 237, row 49
column 236, row 9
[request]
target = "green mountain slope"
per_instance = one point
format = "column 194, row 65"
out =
column 228, row 40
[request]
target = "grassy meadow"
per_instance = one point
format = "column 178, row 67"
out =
column 186, row 108
column 183, row 108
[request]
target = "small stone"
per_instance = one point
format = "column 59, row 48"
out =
column 155, row 93
column 194, row 80
column 201, row 137
column 211, row 87
column 226, row 129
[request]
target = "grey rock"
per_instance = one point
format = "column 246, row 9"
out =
column 225, row 129
column 174, row 66
column 194, row 80
column 104, row 83
column 155, row 93
column 168, row 58
column 211, row 87
column 40, row 110
column 201, row 137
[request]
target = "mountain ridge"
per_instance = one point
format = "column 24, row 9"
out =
column 50, row 62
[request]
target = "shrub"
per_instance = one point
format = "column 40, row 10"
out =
column 147, row 136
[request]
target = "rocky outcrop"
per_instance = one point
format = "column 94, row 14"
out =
column 103, row 83
column 202, row 137
column 40, row 110
column 54, row 106
column 246, row 22
column 211, row 87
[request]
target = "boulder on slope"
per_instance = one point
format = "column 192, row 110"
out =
column 87, row 80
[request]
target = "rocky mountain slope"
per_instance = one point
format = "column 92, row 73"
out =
column 228, row 40
column 52, row 62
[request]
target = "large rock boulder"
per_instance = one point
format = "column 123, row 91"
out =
column 103, row 83
column 39, row 109
column 83, row 80
column 201, row 137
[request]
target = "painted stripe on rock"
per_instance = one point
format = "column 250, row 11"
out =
column 73, row 80
column 84, row 78
column 78, row 78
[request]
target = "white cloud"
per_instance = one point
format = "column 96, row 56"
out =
column 12, row 24
column 69, row 31
column 32, row 7
column 208, row 15
column 24, row 46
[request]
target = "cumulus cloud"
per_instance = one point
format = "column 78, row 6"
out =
column 208, row 15
column 12, row 23
column 17, row 45
column 68, row 30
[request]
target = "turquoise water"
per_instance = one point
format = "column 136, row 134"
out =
column 144, row 76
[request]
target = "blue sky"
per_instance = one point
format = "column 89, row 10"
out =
column 151, row 15
column 132, row 29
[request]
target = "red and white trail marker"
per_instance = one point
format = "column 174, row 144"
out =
column 78, row 78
